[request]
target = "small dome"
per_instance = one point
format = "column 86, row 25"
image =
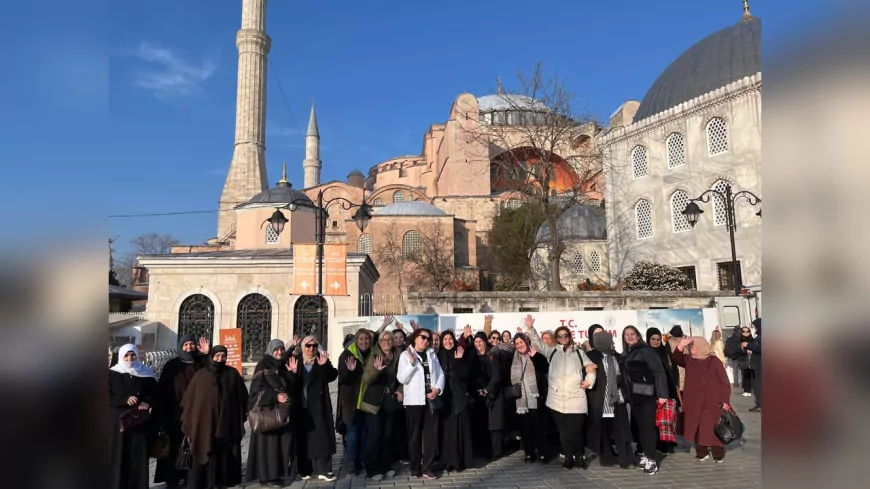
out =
column 723, row 57
column 578, row 222
column 504, row 101
column 355, row 173
column 283, row 193
column 409, row 208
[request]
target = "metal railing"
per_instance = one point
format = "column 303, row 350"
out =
column 381, row 304
column 154, row 359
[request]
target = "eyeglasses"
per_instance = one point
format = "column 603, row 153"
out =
column 311, row 345
column 745, row 330
column 424, row 338
column 563, row 336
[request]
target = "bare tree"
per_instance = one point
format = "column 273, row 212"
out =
column 434, row 263
column 144, row 244
column 390, row 260
column 541, row 147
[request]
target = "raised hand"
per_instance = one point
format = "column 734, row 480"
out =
column 415, row 325
column 685, row 342
column 203, row 346
column 350, row 363
column 459, row 352
column 529, row 321
column 323, row 358
column 296, row 340
column 379, row 363
column 488, row 318
column 519, row 330
column 400, row 325
column 387, row 319
column 466, row 332
column 293, row 365
column 411, row 356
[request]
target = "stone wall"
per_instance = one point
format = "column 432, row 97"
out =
column 445, row 303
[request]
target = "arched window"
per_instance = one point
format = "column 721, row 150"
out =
column 364, row 244
column 643, row 218
column 411, row 243
column 378, row 202
column 720, row 212
column 717, row 136
column 679, row 201
column 398, row 196
column 271, row 235
column 594, row 262
column 676, row 150
column 577, row 263
column 196, row 317
column 638, row 161
column 460, row 253
column 513, row 204
column 254, row 318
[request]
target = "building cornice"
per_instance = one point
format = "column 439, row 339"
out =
column 182, row 261
column 721, row 95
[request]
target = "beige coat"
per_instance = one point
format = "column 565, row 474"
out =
column 564, row 394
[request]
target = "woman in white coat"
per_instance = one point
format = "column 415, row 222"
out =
column 423, row 381
column 571, row 373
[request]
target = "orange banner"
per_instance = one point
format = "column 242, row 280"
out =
column 335, row 273
column 304, row 269
column 232, row 339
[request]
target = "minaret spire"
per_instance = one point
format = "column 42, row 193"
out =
column 311, row 165
column 746, row 14
column 498, row 80
column 247, row 175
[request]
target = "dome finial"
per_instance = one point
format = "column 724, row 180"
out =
column 283, row 182
column 746, row 14
column 498, row 81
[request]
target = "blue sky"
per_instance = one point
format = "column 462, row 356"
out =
column 138, row 97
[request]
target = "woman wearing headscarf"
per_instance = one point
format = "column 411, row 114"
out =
column 456, row 450
column 174, row 379
column 379, row 405
column 132, row 387
column 487, row 416
column 645, row 384
column 529, row 370
column 707, row 393
column 315, row 430
column 663, row 351
column 571, row 373
column 351, row 387
column 272, row 385
column 609, row 423
column 213, row 413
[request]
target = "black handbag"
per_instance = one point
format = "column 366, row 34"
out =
column 729, row 427
column 516, row 390
column 185, row 455
column 639, row 388
column 436, row 405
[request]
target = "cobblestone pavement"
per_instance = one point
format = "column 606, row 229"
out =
column 741, row 469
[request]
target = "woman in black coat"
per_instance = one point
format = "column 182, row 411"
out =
column 456, row 450
column 315, row 428
column 272, row 385
column 132, row 388
column 487, row 417
column 608, row 421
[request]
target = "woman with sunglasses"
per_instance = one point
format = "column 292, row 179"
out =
column 315, row 428
column 423, row 382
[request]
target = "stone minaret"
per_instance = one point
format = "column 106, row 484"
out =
column 311, row 164
column 247, row 175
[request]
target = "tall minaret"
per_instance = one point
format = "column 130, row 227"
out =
column 247, row 175
column 311, row 164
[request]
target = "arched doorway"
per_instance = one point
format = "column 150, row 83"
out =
column 306, row 318
column 254, row 318
column 196, row 317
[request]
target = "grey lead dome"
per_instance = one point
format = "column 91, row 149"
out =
column 721, row 58
column 409, row 208
column 578, row 222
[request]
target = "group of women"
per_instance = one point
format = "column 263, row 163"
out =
column 404, row 400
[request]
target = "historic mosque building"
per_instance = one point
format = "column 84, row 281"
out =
column 697, row 127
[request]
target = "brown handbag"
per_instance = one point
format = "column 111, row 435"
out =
column 132, row 418
column 269, row 418
column 159, row 446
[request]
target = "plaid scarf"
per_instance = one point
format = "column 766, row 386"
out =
column 666, row 421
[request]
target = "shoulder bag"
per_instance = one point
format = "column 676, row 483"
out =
column 132, row 418
column 729, row 427
column 515, row 391
column 582, row 365
column 185, row 455
column 639, row 388
column 268, row 418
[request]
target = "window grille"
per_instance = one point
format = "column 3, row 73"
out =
column 643, row 219
column 398, row 196
column 364, row 244
column 595, row 262
column 676, row 150
column 717, row 136
column 412, row 241
column 638, row 160
column 577, row 263
column 720, row 210
column 379, row 202
column 271, row 235
column 679, row 201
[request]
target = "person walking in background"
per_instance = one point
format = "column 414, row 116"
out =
column 312, row 372
column 350, row 373
column 571, row 373
column 455, row 425
column 213, row 414
column 718, row 346
column 707, row 393
column 645, row 383
column 735, row 350
column 754, row 349
column 423, row 381
column 608, row 422
column 379, row 403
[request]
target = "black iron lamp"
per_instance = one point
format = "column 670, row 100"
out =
column 693, row 213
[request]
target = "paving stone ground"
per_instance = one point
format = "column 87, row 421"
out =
column 741, row 469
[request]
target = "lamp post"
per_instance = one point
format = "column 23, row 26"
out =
column 361, row 217
column 693, row 212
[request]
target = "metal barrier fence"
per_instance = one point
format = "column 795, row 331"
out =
column 154, row 359
column 381, row 304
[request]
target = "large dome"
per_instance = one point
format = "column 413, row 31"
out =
column 409, row 208
column 578, row 222
column 507, row 101
column 721, row 58
column 283, row 193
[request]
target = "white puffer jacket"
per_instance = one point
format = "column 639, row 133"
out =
column 567, row 371
column 413, row 379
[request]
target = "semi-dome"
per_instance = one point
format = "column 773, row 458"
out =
column 721, row 58
column 409, row 208
column 283, row 193
column 578, row 222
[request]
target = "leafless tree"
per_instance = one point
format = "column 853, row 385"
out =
column 541, row 146
column 434, row 264
column 144, row 244
column 390, row 260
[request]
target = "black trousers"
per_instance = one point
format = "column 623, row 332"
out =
column 380, row 440
column 624, row 457
column 532, row 430
column 422, row 438
column 748, row 374
column 757, row 388
column 643, row 416
column 571, row 437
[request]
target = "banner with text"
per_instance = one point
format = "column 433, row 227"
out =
column 335, row 269
column 232, row 339
column 304, row 269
